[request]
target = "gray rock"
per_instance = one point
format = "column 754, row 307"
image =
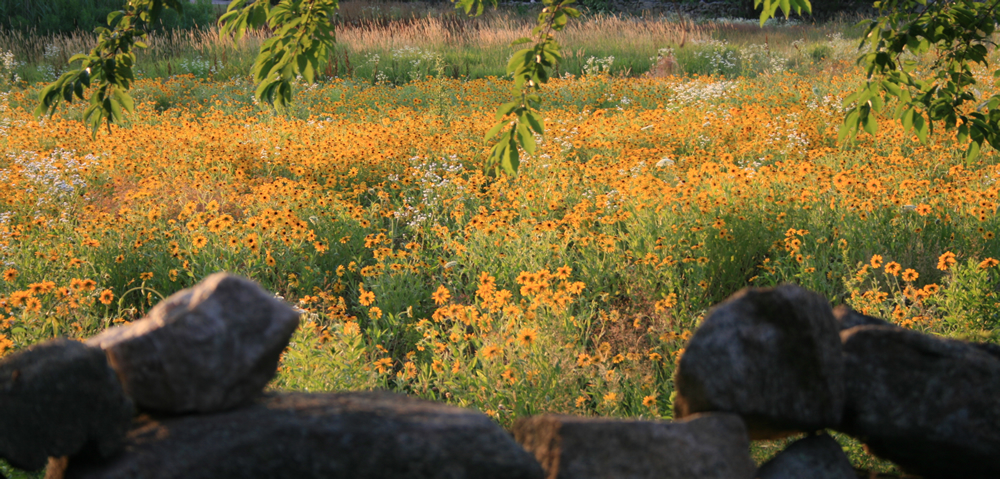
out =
column 929, row 404
column 203, row 349
column 989, row 348
column 364, row 435
column 864, row 474
column 713, row 445
column 770, row 355
column 813, row 457
column 59, row 398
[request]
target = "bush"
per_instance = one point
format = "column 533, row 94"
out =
column 820, row 53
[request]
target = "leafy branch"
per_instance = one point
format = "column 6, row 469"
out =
column 303, row 33
column 770, row 7
column 530, row 67
column 108, row 66
column 958, row 32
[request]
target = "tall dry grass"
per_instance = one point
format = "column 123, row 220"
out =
column 378, row 37
column 500, row 29
column 389, row 26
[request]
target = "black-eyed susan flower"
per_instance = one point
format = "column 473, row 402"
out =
column 490, row 351
column 876, row 261
column 946, row 260
column 32, row 303
column 441, row 296
column 527, row 336
column 106, row 297
column 366, row 298
column 893, row 268
column 383, row 365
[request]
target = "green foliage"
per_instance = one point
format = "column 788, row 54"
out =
column 530, row 68
column 597, row 5
column 12, row 473
column 820, row 52
column 958, row 31
column 198, row 14
column 309, row 365
column 770, row 7
column 64, row 16
column 51, row 16
column 109, row 64
column 970, row 303
column 303, row 35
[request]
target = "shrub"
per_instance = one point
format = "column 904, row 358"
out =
column 63, row 16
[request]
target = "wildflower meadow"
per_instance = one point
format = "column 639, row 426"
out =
column 571, row 287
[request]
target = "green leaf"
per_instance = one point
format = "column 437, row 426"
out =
column 892, row 88
column 493, row 131
column 869, row 124
column 126, row 101
column 876, row 102
column 525, row 138
column 972, row 152
column 907, row 120
column 520, row 59
column 849, row 126
column 534, row 122
column 510, row 160
column 506, row 109
column 116, row 110
column 920, row 126
column 114, row 16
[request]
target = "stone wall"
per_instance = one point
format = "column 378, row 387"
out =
column 178, row 394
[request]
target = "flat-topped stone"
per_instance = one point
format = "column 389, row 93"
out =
column 713, row 445
column 358, row 435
